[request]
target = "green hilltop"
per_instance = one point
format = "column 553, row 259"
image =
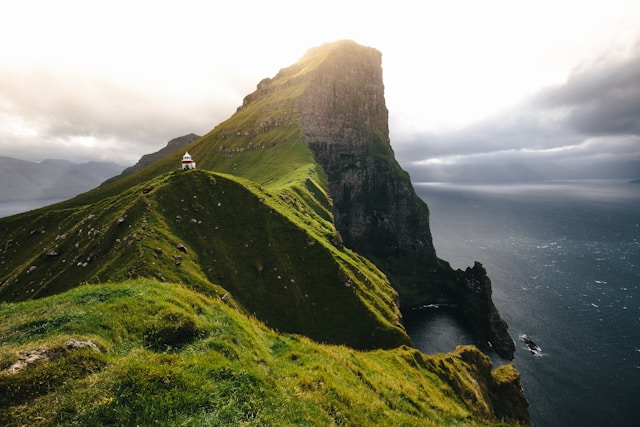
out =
column 221, row 296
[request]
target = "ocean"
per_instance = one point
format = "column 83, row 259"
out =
column 564, row 261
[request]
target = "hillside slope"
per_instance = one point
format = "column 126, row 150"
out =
column 209, row 231
column 149, row 353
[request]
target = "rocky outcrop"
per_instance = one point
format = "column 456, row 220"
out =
column 344, row 121
column 501, row 387
column 39, row 355
column 472, row 291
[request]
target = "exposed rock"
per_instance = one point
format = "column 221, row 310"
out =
column 29, row 358
column 504, row 391
column 507, row 395
column 472, row 290
column 181, row 247
column 33, row 357
column 76, row 345
column 344, row 121
column 531, row 345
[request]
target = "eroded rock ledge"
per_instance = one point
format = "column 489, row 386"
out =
column 344, row 122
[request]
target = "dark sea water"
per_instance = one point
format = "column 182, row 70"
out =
column 564, row 260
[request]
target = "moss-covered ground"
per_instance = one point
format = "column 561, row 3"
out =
column 172, row 356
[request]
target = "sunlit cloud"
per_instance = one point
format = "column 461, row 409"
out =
column 456, row 73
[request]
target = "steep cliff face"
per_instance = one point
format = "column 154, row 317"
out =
column 344, row 121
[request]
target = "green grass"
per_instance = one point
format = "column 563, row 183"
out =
column 171, row 356
column 269, row 249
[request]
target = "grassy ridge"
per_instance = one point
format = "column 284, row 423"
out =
column 171, row 356
column 218, row 234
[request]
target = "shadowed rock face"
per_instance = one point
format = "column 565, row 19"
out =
column 344, row 121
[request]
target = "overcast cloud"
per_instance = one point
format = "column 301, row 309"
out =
column 594, row 115
column 464, row 80
column 82, row 117
column 602, row 98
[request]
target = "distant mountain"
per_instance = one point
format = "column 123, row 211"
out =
column 171, row 147
column 51, row 178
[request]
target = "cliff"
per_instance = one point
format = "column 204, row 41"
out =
column 324, row 121
column 344, row 121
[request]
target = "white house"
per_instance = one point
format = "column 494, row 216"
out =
column 187, row 162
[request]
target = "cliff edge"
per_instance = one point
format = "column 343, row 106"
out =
column 344, row 121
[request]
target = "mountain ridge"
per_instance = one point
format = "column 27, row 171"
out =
column 207, row 230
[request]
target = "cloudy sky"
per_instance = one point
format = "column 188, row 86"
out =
column 464, row 80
